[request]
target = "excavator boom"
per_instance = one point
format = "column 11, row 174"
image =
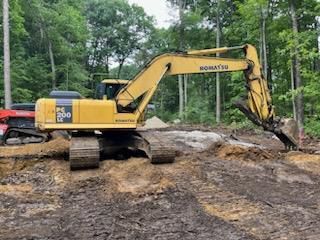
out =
column 257, row 106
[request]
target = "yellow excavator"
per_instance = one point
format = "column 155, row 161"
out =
column 109, row 122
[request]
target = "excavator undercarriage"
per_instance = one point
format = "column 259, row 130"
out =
column 87, row 148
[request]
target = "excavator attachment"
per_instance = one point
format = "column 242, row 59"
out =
column 287, row 131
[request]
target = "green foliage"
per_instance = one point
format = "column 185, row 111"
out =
column 111, row 37
column 127, row 72
column 29, row 79
column 197, row 112
column 118, row 30
column 312, row 126
column 35, row 23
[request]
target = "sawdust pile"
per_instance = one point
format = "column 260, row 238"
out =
column 308, row 162
column 137, row 176
column 236, row 152
column 154, row 123
column 231, row 210
column 9, row 166
column 16, row 189
column 56, row 147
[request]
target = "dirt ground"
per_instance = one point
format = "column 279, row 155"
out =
column 225, row 184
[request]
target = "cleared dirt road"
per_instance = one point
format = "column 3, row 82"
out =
column 219, row 191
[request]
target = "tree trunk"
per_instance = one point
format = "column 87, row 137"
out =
column 263, row 50
column 6, row 57
column 67, row 75
column 53, row 66
column 161, row 99
column 264, row 45
column 180, row 78
column 182, row 6
column 261, row 44
column 317, row 60
column 185, row 85
column 120, row 68
column 296, row 68
column 293, row 87
column 181, row 46
column 218, row 97
column 269, row 72
column 67, row 88
column 107, row 65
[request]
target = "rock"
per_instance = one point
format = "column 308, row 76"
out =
column 176, row 121
column 154, row 123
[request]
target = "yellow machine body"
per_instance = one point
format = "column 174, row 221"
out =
column 85, row 114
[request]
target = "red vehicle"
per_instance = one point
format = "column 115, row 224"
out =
column 17, row 126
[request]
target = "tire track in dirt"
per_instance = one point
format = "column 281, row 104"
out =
column 287, row 196
column 167, row 213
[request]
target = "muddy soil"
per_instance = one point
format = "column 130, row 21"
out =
column 220, row 190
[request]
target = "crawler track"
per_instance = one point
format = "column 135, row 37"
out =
column 158, row 149
column 16, row 136
column 84, row 153
column 85, row 150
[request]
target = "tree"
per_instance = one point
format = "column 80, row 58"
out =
column 31, row 75
column 263, row 46
column 218, row 97
column 182, row 6
column 6, row 50
column 217, row 13
column 118, row 30
column 181, row 25
column 59, row 38
column 299, row 108
column 59, row 43
column 255, row 14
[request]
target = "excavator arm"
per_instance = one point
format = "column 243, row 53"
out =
column 257, row 106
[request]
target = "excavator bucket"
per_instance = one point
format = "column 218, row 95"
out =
column 287, row 131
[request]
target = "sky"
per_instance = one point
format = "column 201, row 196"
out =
column 160, row 10
column 156, row 8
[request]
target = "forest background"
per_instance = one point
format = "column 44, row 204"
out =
column 74, row 44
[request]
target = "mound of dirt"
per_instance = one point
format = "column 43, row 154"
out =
column 9, row 166
column 236, row 152
column 15, row 189
column 137, row 176
column 308, row 162
column 56, row 147
column 154, row 123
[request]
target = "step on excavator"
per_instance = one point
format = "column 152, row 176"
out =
column 109, row 122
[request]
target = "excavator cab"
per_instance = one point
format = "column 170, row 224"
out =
column 109, row 88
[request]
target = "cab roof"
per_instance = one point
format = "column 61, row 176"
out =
column 115, row 81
